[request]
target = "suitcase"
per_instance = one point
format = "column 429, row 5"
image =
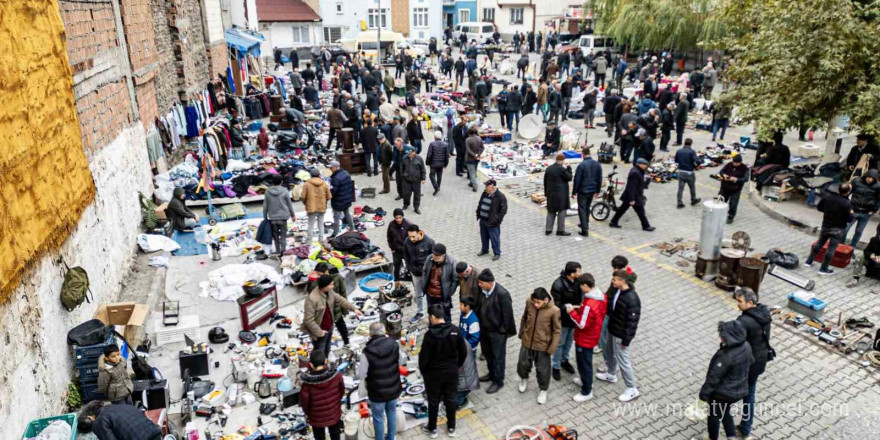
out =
column 842, row 255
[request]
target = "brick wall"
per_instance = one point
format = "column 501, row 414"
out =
column 137, row 17
column 90, row 28
column 166, row 74
column 103, row 114
column 217, row 56
column 147, row 104
column 191, row 47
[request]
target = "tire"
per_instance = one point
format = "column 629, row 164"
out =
column 213, row 221
column 600, row 211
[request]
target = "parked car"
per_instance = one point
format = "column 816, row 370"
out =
column 414, row 47
column 596, row 44
column 474, row 30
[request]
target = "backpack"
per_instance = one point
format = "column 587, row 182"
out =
column 75, row 288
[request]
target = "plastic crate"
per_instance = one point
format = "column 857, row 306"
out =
column 37, row 426
column 88, row 374
column 814, row 307
column 92, row 351
column 90, row 392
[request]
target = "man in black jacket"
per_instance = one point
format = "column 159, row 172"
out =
column 733, row 176
column 370, row 142
column 117, row 422
column 756, row 320
column 838, row 213
column 624, row 311
column 437, row 159
column 386, row 157
column 565, row 90
column 667, row 123
column 443, row 353
column 416, row 250
column 634, row 196
column 609, row 104
column 552, row 138
column 491, row 210
column 530, row 98
column 556, row 180
column 681, row 117
column 564, row 291
column 379, row 372
column 414, row 175
column 459, row 135
column 495, row 310
column 481, row 93
column 866, row 201
column 726, row 381
column 397, row 235
column 514, row 106
column 864, row 146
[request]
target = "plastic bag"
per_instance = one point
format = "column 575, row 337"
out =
column 57, row 430
column 786, row 260
column 153, row 243
column 164, row 188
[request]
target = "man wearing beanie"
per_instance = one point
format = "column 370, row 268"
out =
column 733, row 176
column 556, row 180
column 495, row 310
column 318, row 313
column 440, row 279
column 397, row 241
column 634, row 196
column 467, row 280
column 417, row 250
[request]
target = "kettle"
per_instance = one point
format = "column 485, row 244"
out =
column 215, row 252
column 263, row 388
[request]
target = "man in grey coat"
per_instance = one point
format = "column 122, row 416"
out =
column 439, row 279
column 277, row 209
column 437, row 159
column 413, row 175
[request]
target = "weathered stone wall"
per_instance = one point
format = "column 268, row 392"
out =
column 137, row 17
column 217, row 55
column 166, row 75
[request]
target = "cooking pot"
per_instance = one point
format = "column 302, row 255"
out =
column 387, row 309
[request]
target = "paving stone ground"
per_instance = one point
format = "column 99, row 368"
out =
column 809, row 392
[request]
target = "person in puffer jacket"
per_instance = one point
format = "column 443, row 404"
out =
column 865, row 201
column 322, row 390
column 416, row 250
column 587, row 318
column 727, row 379
column 437, row 159
column 113, row 378
column 624, row 312
column 755, row 319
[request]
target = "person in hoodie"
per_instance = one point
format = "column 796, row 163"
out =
column 315, row 195
column 865, row 201
column 181, row 217
column 838, row 212
column 439, row 279
column 113, row 378
column 624, row 311
column 727, row 379
column 565, row 292
column 342, row 189
column 539, row 331
column 277, row 209
column 437, row 159
column 755, row 319
column 588, row 318
column 322, row 390
column 619, row 262
column 443, row 352
column 397, row 237
column 416, row 251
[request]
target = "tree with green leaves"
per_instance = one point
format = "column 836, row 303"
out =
column 806, row 63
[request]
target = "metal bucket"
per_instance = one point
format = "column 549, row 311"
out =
column 393, row 325
column 727, row 268
column 751, row 273
column 387, row 309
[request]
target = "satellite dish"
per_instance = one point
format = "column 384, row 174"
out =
column 530, row 126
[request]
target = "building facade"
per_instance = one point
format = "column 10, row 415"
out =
column 459, row 11
column 511, row 16
column 288, row 24
column 344, row 19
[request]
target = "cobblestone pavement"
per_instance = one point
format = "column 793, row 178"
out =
column 808, row 392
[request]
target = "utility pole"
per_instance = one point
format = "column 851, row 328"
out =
column 379, row 33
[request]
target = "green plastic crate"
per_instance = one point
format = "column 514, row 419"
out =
column 37, row 426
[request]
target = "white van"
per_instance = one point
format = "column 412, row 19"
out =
column 596, row 44
column 474, row 30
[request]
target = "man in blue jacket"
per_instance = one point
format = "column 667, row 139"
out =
column 686, row 159
column 342, row 190
column 587, row 182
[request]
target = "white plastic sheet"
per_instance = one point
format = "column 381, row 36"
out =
column 153, row 243
column 224, row 284
column 57, row 430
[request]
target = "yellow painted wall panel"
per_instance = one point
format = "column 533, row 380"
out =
column 45, row 182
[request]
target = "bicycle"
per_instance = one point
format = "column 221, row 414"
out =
column 607, row 199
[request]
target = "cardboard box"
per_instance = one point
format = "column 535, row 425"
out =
column 130, row 316
column 160, row 211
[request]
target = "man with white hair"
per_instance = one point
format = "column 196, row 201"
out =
column 437, row 159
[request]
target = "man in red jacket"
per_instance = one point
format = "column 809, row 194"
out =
column 588, row 318
column 322, row 390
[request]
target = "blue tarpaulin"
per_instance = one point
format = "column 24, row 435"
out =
column 244, row 41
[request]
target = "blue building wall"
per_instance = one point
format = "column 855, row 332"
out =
column 459, row 5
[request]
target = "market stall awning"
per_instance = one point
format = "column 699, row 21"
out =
column 244, row 41
column 387, row 37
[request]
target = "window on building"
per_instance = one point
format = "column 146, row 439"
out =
column 375, row 16
column 489, row 14
column 339, row 8
column 332, row 34
column 420, row 17
column 464, row 15
column 516, row 15
column 300, row 34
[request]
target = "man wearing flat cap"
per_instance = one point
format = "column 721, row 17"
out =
column 439, row 279
column 490, row 213
column 495, row 310
column 634, row 196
